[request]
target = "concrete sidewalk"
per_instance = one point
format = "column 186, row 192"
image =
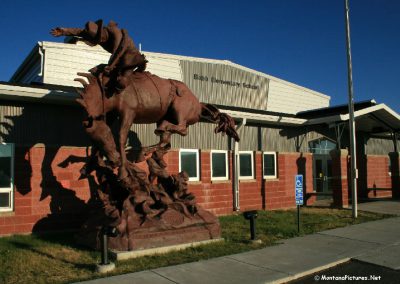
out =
column 377, row 242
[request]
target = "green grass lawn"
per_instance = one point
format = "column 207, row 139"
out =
column 55, row 258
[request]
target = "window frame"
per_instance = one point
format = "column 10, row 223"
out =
column 252, row 166
column 275, row 176
column 9, row 190
column 197, row 178
column 226, row 177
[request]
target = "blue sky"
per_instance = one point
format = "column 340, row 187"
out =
column 299, row 41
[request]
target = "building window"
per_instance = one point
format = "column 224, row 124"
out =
column 246, row 165
column 6, row 177
column 189, row 162
column 269, row 165
column 219, row 165
column 321, row 146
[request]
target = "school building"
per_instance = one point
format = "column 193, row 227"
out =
column 285, row 130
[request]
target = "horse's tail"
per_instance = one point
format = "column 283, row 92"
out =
column 226, row 124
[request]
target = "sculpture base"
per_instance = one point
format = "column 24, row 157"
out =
column 123, row 255
column 148, row 208
column 171, row 228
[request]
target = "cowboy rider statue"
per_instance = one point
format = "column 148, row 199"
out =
column 125, row 57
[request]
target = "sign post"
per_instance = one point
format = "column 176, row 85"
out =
column 298, row 189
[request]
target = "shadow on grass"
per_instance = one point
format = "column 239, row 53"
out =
column 61, row 238
column 24, row 246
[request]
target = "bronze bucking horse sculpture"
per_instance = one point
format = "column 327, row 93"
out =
column 148, row 206
column 135, row 96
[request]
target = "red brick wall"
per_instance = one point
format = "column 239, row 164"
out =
column 44, row 191
column 49, row 195
column 378, row 176
column 217, row 196
column 280, row 192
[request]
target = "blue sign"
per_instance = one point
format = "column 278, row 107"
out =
column 298, row 189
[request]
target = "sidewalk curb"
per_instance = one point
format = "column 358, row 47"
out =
column 310, row 271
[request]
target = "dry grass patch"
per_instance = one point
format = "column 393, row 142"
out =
column 55, row 258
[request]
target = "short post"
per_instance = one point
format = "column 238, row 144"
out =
column 252, row 216
column 298, row 219
column 298, row 192
column 104, row 247
column 105, row 265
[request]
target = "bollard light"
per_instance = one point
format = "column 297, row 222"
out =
column 251, row 216
column 106, row 231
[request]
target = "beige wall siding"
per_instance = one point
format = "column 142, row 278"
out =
column 62, row 64
column 164, row 67
column 212, row 81
column 287, row 98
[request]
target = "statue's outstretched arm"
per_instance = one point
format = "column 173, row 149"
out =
column 67, row 32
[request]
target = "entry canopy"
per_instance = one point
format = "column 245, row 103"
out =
column 369, row 116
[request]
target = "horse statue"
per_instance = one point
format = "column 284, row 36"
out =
column 142, row 204
column 146, row 99
column 121, row 89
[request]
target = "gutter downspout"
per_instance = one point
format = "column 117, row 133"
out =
column 236, row 197
column 41, row 60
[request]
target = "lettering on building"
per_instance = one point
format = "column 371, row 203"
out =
column 214, row 80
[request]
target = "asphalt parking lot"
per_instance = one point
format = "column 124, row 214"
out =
column 349, row 271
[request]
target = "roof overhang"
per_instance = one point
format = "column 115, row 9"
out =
column 39, row 95
column 378, row 119
column 265, row 118
column 375, row 119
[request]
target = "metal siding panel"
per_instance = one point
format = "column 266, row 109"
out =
column 377, row 146
column 276, row 139
column 272, row 140
column 248, row 138
column 145, row 134
column 201, row 136
column 29, row 124
column 232, row 92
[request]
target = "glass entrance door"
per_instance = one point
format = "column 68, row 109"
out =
column 322, row 166
column 322, row 174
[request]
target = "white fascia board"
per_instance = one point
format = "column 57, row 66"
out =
column 359, row 113
column 371, row 110
column 265, row 118
column 376, row 108
column 80, row 46
column 19, row 93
